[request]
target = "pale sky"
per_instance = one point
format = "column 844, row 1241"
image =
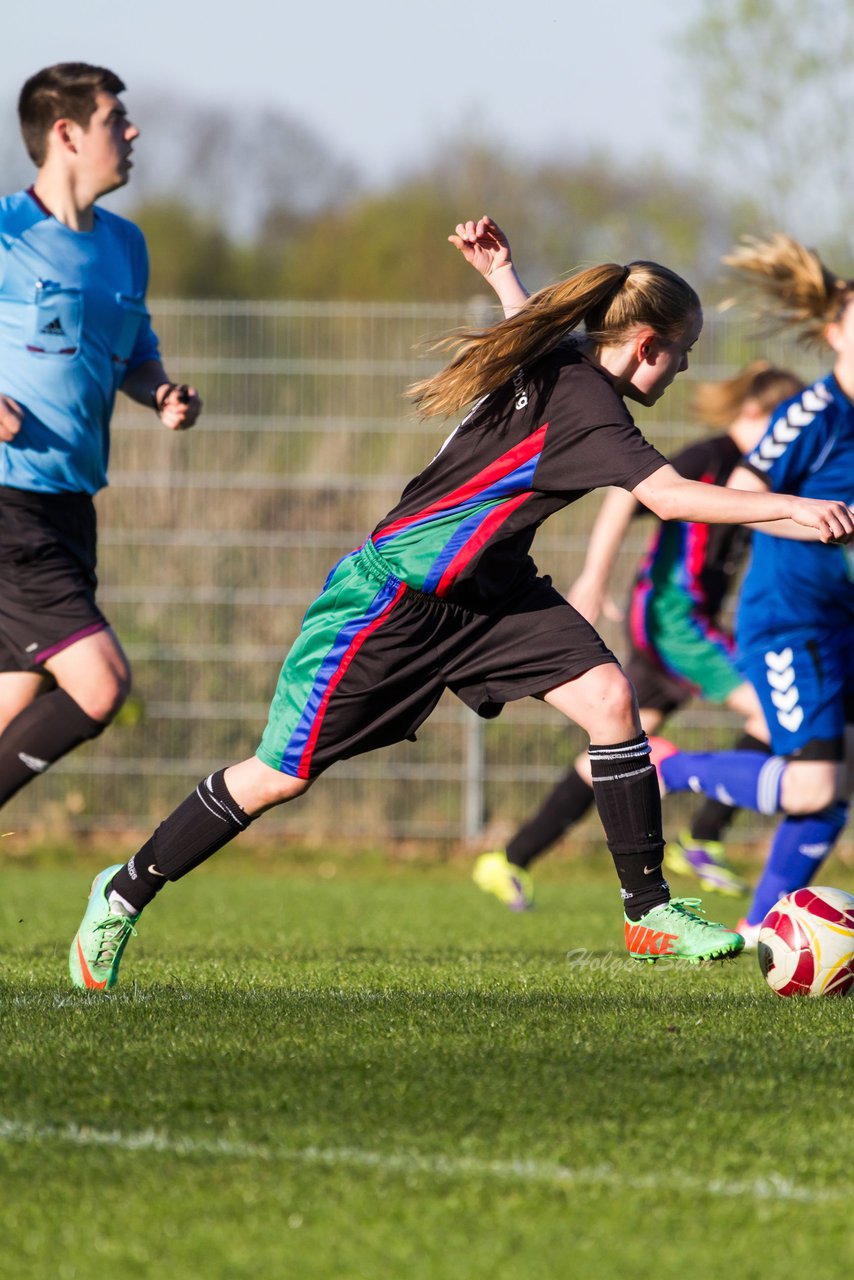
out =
column 383, row 84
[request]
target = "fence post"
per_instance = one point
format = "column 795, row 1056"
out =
column 474, row 800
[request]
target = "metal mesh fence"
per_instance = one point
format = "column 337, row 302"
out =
column 212, row 544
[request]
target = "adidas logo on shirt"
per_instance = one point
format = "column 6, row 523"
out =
column 54, row 328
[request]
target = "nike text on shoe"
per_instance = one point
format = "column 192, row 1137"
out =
column 512, row 885
column 678, row 930
column 100, row 941
column 706, row 860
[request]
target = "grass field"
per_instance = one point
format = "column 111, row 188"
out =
column 359, row 1070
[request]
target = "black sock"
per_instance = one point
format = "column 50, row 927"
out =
column 208, row 819
column 40, row 735
column 561, row 809
column 713, row 818
column 626, row 789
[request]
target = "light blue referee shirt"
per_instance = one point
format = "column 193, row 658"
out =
column 73, row 325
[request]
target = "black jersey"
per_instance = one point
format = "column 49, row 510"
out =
column 463, row 528
column 694, row 561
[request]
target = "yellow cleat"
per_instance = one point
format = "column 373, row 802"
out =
column 512, row 885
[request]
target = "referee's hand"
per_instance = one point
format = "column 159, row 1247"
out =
column 180, row 407
column 11, row 417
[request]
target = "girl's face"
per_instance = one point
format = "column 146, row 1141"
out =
column 658, row 360
column 840, row 336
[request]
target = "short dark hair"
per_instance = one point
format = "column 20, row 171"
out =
column 67, row 89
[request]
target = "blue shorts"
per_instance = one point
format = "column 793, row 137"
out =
column 805, row 682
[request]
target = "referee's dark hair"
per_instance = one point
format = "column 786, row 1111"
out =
column 67, row 89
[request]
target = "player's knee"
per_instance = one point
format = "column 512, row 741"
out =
column 104, row 701
column 809, row 787
column 617, row 699
column 278, row 788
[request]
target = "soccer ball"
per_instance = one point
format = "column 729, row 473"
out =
column 806, row 943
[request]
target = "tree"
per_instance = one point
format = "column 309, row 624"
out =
column 775, row 80
column 232, row 166
column 560, row 214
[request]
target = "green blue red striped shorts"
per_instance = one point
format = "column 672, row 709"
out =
column 374, row 656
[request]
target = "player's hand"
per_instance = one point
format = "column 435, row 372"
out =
column 180, row 407
column 589, row 598
column 11, row 417
column 483, row 244
column 834, row 521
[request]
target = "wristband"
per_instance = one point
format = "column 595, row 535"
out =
column 158, row 407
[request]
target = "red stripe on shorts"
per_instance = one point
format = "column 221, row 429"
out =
column 304, row 768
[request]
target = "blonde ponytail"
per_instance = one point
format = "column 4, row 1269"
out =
column 610, row 300
column 718, row 404
column 790, row 286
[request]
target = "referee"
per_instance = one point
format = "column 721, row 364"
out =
column 74, row 329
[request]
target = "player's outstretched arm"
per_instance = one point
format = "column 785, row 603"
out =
column 589, row 593
column 744, row 478
column 486, row 248
column 673, row 498
column 177, row 405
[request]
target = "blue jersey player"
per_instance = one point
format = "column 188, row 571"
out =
column 795, row 625
column 74, row 329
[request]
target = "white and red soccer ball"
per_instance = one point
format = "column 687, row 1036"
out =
column 806, row 944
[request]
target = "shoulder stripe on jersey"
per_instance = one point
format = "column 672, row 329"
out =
column 474, row 490
column 486, row 526
column 788, row 427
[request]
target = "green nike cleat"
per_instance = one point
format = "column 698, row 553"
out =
column 512, row 885
column 705, row 860
column 678, row 930
column 97, row 948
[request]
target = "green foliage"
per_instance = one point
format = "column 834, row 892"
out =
column 392, row 245
column 191, row 254
column 775, row 93
column 354, row 1071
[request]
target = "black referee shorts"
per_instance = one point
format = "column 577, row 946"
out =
column 47, row 575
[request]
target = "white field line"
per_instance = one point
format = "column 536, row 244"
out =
column 542, row 1172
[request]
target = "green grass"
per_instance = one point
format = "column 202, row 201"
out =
column 379, row 1073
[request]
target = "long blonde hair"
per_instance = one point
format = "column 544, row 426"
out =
column 790, row 286
column 611, row 301
column 718, row 404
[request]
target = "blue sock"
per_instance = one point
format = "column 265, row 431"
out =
column 743, row 779
column 799, row 847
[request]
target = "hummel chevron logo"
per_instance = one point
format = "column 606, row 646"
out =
column 779, row 661
column 785, row 701
column 33, row 762
column 785, row 430
column 816, row 398
column 797, row 416
column 780, row 674
column 781, row 681
column 54, row 327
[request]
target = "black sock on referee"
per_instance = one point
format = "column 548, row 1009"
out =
column 625, row 785
column 561, row 809
column 41, row 734
column 203, row 823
